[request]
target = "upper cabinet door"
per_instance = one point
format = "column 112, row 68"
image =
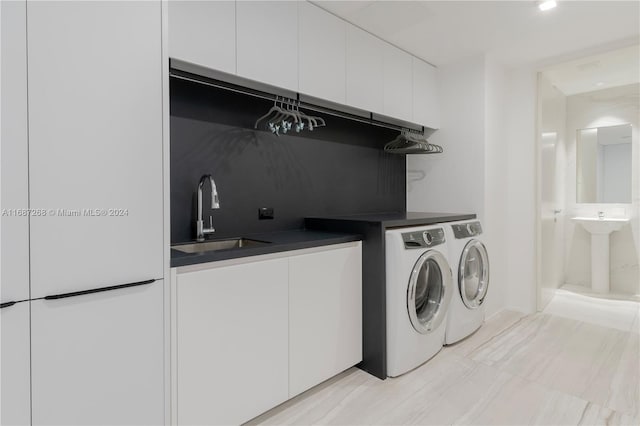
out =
column 397, row 83
column 322, row 54
column 425, row 94
column 15, row 153
column 267, row 42
column 364, row 70
column 204, row 33
column 95, row 144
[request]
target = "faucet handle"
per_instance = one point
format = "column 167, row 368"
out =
column 600, row 215
column 211, row 224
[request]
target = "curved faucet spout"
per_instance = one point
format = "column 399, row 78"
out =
column 215, row 204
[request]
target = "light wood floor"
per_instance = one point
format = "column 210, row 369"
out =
column 558, row 367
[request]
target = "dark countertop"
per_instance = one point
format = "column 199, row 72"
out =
column 278, row 242
column 397, row 219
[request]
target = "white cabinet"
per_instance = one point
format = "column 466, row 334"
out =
column 14, row 155
column 298, row 46
column 425, row 94
column 267, row 42
column 325, row 315
column 98, row 358
column 15, row 378
column 322, row 53
column 204, row 33
column 398, row 100
column 364, row 70
column 232, row 359
column 250, row 333
column 95, row 144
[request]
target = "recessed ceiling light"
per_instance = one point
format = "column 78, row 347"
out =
column 546, row 5
column 600, row 83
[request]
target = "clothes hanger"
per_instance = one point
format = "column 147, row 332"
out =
column 411, row 142
column 280, row 120
column 273, row 109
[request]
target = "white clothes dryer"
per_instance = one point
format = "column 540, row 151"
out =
column 471, row 274
column 419, row 289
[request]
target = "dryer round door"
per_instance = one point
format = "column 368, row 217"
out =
column 429, row 292
column 473, row 274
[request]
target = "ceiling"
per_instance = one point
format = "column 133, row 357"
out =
column 514, row 32
column 598, row 72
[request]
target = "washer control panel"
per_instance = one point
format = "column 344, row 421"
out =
column 423, row 239
column 466, row 230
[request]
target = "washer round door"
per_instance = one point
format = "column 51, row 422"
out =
column 429, row 292
column 473, row 274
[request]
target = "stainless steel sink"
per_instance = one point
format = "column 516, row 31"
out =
column 218, row 245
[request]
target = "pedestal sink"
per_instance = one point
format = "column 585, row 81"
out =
column 600, row 230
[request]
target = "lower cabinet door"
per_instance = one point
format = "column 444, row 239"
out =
column 14, row 379
column 232, row 360
column 325, row 315
column 97, row 359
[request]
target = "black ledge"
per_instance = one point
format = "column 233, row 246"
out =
column 394, row 219
column 277, row 242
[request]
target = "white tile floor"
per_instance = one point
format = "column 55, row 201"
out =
column 618, row 314
column 575, row 363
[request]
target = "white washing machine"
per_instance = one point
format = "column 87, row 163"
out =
column 418, row 293
column 471, row 276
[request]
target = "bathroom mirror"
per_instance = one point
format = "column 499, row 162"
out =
column 603, row 168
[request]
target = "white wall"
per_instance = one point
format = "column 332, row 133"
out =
column 495, row 184
column 550, row 216
column 520, row 131
column 469, row 177
column 607, row 107
column 453, row 181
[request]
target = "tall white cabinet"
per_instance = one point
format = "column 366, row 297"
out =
column 82, row 147
column 95, row 142
column 14, row 280
column 14, row 155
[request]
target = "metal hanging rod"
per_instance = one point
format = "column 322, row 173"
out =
column 178, row 71
column 220, row 85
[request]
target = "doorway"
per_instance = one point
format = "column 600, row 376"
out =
column 580, row 105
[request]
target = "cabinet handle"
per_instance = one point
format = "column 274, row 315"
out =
column 7, row 304
column 97, row 290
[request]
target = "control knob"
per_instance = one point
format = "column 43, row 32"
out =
column 470, row 229
column 427, row 237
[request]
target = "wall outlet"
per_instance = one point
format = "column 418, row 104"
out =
column 265, row 213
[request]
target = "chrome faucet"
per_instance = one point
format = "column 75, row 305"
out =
column 601, row 215
column 201, row 231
